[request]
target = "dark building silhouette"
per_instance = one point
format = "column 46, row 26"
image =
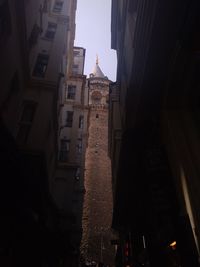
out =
column 154, row 133
column 36, row 38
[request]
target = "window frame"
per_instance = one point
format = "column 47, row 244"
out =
column 69, row 118
column 57, row 7
column 50, row 31
column 41, row 65
column 71, row 95
column 75, row 68
column 76, row 53
column 79, row 145
column 81, row 122
column 64, row 150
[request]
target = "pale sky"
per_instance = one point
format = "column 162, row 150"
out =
column 93, row 18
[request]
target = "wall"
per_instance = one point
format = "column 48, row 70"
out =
column 97, row 210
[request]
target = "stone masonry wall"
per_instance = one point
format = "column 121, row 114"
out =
column 97, row 208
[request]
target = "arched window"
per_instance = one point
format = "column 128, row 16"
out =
column 96, row 97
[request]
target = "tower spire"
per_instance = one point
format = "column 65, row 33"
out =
column 97, row 72
column 97, row 59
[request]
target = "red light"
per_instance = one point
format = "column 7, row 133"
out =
column 126, row 250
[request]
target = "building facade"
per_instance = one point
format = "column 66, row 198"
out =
column 97, row 209
column 36, row 40
column 153, row 135
column 72, row 139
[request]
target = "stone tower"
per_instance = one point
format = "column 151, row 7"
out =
column 97, row 208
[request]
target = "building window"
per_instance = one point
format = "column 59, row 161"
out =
column 64, row 149
column 51, row 30
column 78, row 174
column 5, row 20
column 81, row 120
column 96, row 97
column 69, row 118
column 41, row 65
column 26, row 122
column 76, row 53
column 75, row 68
column 32, row 40
column 71, row 92
column 79, row 146
column 97, row 116
column 57, row 6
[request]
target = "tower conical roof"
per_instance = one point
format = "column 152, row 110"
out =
column 97, row 72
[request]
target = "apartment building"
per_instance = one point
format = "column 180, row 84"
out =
column 72, row 140
column 36, row 48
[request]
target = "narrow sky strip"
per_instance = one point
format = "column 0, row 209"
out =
column 93, row 32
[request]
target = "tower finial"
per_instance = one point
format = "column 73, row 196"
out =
column 97, row 59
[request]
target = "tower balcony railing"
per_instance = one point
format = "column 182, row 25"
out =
column 99, row 106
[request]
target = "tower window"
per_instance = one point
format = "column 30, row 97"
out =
column 96, row 97
column 97, row 116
